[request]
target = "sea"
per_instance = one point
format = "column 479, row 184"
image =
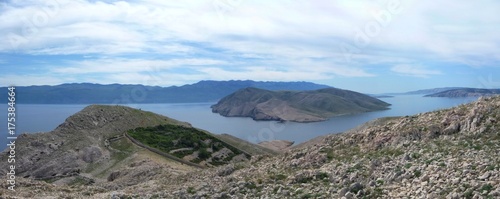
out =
column 35, row 118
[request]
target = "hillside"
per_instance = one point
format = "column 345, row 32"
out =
column 466, row 92
column 450, row 153
column 90, row 148
column 297, row 106
column 86, row 93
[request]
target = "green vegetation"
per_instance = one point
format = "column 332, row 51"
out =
column 341, row 154
column 417, row 173
column 469, row 194
column 307, row 195
column 250, row 185
column 407, row 165
column 416, row 155
column 191, row 190
column 279, row 177
column 490, row 168
column 322, row 175
column 182, row 141
column 356, row 167
column 486, row 189
column 124, row 147
column 78, row 180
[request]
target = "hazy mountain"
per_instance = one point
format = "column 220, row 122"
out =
column 298, row 106
column 425, row 91
column 87, row 93
column 466, row 92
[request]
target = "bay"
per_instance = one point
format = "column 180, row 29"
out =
column 32, row 118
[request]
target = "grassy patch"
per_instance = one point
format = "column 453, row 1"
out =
column 307, row 195
column 80, row 181
column 486, row 189
column 322, row 175
column 469, row 194
column 416, row 155
column 407, row 165
column 417, row 173
column 342, row 153
column 356, row 167
column 279, row 177
column 250, row 185
column 124, row 147
column 191, row 190
column 171, row 137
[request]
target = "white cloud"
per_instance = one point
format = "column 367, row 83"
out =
column 260, row 74
column 414, row 70
column 268, row 40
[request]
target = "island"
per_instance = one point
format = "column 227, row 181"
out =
column 466, row 92
column 296, row 106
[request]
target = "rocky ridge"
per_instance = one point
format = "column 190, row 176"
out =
column 450, row 153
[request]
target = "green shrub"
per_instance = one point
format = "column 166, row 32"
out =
column 203, row 154
column 487, row 188
column 279, row 177
column 191, row 190
column 407, row 165
column 322, row 175
column 170, row 137
column 417, row 173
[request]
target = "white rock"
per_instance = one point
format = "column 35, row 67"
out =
column 484, row 176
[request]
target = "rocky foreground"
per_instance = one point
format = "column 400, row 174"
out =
column 451, row 153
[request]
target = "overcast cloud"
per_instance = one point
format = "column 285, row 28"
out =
column 343, row 43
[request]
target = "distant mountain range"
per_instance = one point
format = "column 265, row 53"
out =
column 88, row 93
column 431, row 91
column 425, row 91
column 448, row 92
column 466, row 92
column 297, row 106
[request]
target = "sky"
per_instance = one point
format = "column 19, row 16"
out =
column 375, row 46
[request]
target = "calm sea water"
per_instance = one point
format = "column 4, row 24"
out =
column 33, row 118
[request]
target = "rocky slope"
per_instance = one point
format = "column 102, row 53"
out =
column 303, row 106
column 90, row 148
column 450, row 153
column 277, row 145
column 87, row 147
column 466, row 92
